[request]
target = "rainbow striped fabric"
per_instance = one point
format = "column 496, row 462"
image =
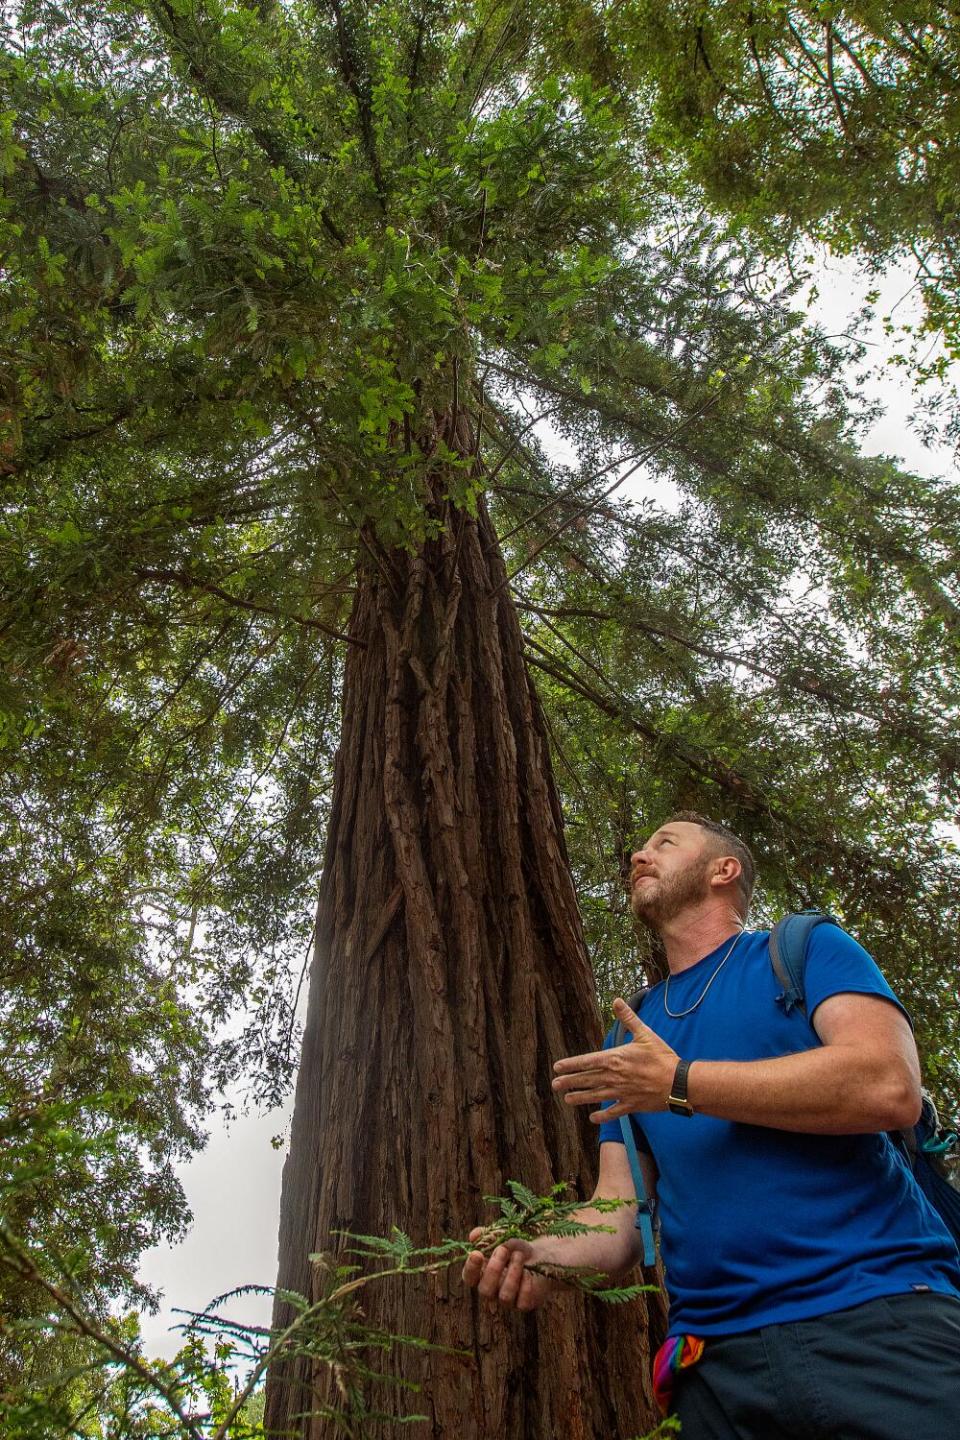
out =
column 676, row 1354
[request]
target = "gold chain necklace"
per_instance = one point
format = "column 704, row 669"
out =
column 679, row 1014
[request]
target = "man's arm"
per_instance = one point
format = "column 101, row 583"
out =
column 503, row 1274
column 865, row 1077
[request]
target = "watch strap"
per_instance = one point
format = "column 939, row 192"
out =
column 677, row 1101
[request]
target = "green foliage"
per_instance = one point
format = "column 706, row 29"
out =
column 669, row 1426
column 100, row 1385
column 833, row 123
column 89, row 1136
column 523, row 1216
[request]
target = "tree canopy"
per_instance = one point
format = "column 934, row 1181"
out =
column 250, row 252
column 812, row 122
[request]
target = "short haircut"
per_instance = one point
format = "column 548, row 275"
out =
column 728, row 844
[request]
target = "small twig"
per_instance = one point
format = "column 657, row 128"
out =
column 828, row 27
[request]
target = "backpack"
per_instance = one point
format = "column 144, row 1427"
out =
column 924, row 1145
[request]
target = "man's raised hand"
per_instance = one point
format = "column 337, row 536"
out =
column 635, row 1076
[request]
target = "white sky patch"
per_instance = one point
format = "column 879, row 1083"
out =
column 842, row 285
column 233, row 1187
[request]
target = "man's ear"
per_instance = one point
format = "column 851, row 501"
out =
column 726, row 871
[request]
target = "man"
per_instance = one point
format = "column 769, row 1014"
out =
column 813, row 1290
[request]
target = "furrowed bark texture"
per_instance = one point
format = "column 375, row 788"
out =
column 450, row 972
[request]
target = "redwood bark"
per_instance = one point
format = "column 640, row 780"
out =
column 450, row 972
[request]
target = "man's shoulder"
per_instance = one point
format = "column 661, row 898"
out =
column 824, row 935
column 825, row 944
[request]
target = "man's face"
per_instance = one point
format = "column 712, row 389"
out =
column 669, row 873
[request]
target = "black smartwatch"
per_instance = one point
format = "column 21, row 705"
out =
column 677, row 1101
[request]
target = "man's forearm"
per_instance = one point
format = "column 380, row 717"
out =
column 864, row 1075
column 834, row 1090
column 612, row 1253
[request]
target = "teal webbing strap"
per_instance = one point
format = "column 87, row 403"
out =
column 940, row 1144
column 644, row 1220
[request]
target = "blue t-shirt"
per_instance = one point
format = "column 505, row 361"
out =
column 760, row 1226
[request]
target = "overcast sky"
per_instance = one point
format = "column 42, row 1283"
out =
column 233, row 1186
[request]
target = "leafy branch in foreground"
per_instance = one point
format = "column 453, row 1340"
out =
column 523, row 1216
column 113, row 1390
column 669, row 1426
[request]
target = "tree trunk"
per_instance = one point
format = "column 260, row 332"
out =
column 450, row 971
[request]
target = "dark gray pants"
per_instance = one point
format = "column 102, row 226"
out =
column 887, row 1370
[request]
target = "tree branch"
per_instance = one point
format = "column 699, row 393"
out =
column 24, row 1265
column 213, row 88
column 186, row 581
column 717, row 771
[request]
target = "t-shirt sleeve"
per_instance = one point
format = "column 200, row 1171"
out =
column 610, row 1129
column 838, row 965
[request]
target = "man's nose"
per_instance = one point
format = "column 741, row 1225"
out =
column 639, row 858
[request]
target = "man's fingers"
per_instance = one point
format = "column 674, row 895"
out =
column 502, row 1272
column 513, row 1275
column 493, row 1272
column 573, row 1063
column 612, row 1112
column 528, row 1298
column 575, row 1080
column 592, row 1089
column 589, row 1097
column 475, row 1233
column 630, row 1019
column 503, row 1277
column 473, row 1267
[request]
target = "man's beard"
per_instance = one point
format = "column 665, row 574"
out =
column 662, row 900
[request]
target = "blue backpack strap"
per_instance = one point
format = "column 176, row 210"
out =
column 788, row 954
column 644, row 1220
